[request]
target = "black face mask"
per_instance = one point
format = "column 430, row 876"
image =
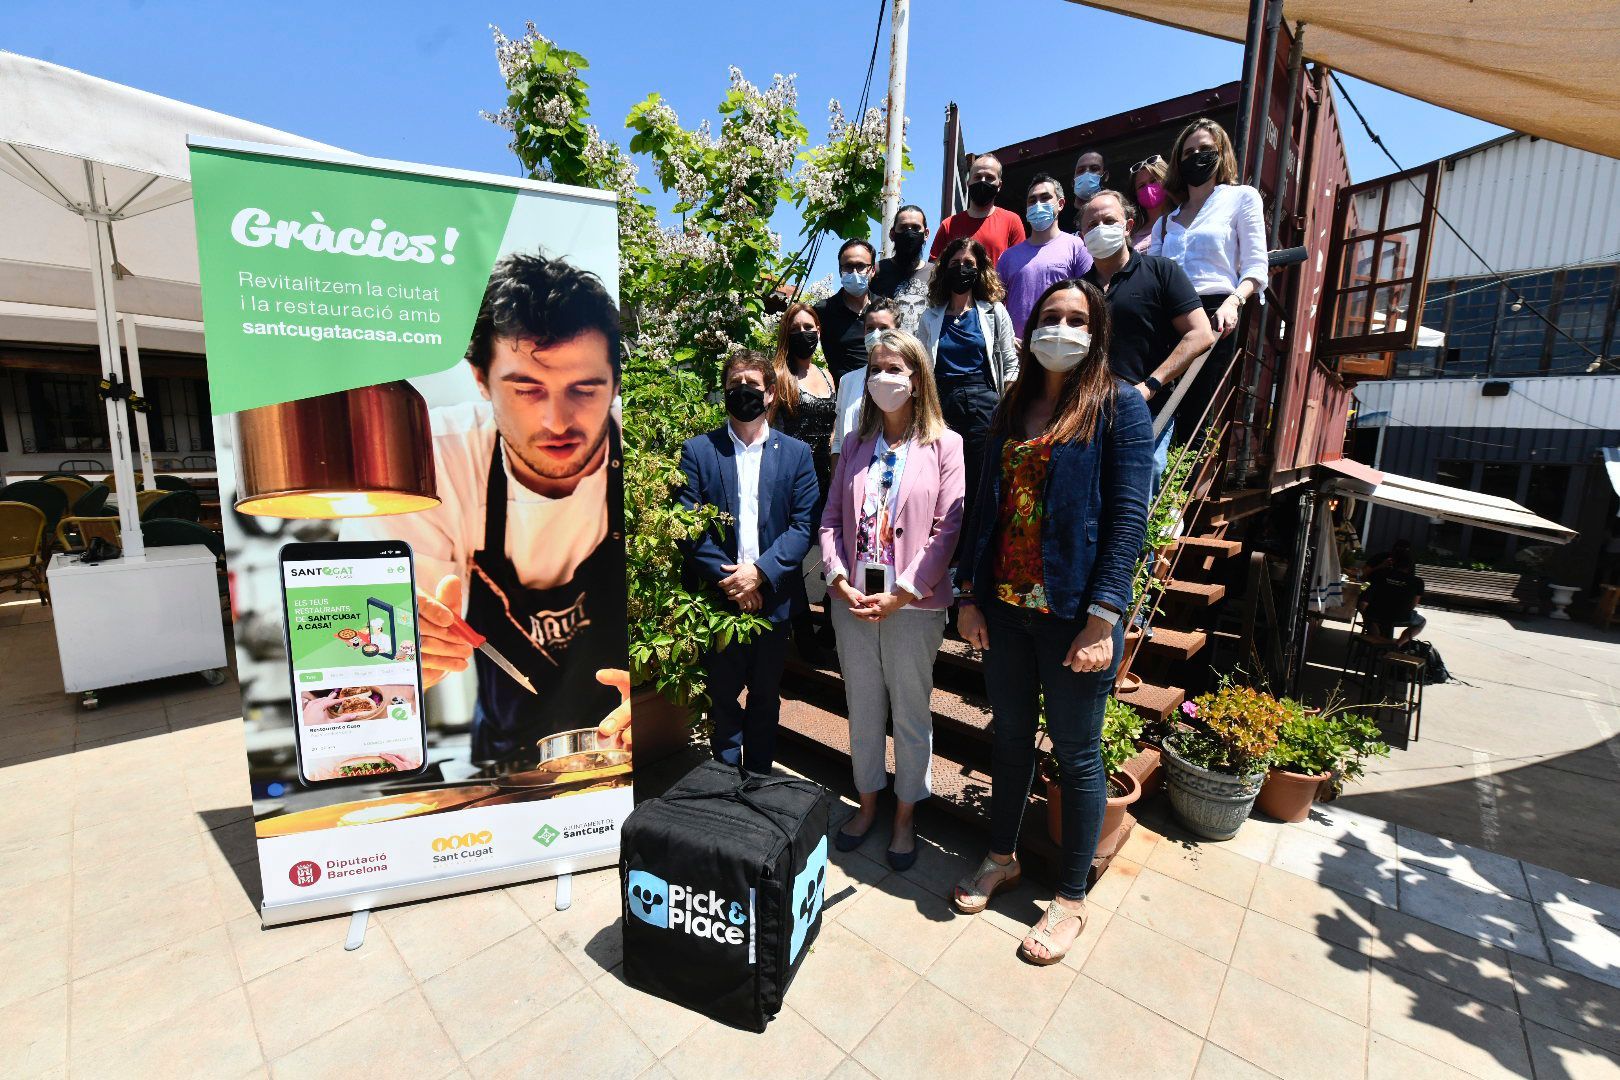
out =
column 745, row 403
column 983, row 192
column 1199, row 167
column 801, row 345
column 908, row 242
column 962, row 278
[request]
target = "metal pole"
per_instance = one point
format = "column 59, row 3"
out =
column 950, row 195
column 1377, row 463
column 101, row 281
column 132, row 349
column 1296, row 66
column 1257, row 163
column 1251, row 49
column 894, row 162
column 1304, row 550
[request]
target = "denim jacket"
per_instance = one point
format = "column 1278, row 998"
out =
column 1096, row 502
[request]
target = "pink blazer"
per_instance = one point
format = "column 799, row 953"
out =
column 928, row 515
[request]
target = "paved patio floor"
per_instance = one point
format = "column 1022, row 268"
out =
column 1345, row 946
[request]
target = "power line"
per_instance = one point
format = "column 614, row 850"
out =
column 1379, row 142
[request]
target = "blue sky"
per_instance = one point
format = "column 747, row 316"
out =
column 407, row 79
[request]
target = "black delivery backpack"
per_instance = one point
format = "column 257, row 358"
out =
column 723, row 883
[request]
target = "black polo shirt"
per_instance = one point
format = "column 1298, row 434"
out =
column 843, row 337
column 1144, row 297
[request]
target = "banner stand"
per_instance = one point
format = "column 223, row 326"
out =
column 357, row 930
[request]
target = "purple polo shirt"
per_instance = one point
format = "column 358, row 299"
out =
column 1027, row 270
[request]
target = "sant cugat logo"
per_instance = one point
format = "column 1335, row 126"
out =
column 704, row 914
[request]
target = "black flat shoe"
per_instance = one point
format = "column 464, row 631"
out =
column 901, row 860
column 844, row 841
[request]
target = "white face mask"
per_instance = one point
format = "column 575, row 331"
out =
column 889, row 391
column 1104, row 240
column 1060, row 348
column 872, row 339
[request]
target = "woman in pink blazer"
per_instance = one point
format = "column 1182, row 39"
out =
column 894, row 509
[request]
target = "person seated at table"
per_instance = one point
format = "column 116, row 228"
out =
column 1383, row 560
column 1391, row 598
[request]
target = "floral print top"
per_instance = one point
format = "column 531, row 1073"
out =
column 1020, row 579
column 874, row 539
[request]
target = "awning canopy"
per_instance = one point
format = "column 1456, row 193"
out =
column 1611, row 462
column 1440, row 501
column 1548, row 71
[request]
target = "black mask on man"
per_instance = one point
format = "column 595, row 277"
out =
column 802, row 344
column 745, row 403
column 908, row 242
column 962, row 278
column 983, row 192
column 1199, row 167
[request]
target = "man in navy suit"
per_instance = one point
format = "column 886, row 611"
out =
column 765, row 480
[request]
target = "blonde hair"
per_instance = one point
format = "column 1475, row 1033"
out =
column 1226, row 170
column 927, row 421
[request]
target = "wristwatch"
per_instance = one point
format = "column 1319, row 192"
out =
column 1106, row 614
column 1153, row 384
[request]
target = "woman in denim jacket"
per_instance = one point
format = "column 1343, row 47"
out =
column 1046, row 579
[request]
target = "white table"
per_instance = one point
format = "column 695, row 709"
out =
column 127, row 620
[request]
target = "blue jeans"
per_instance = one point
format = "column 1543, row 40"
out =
column 1161, row 458
column 1025, row 657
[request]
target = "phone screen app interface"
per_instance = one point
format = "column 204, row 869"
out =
column 352, row 631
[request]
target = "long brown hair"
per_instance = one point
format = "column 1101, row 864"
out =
column 787, row 383
column 1226, row 170
column 1088, row 389
column 927, row 419
column 988, row 287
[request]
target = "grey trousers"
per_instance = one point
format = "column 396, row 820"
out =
column 889, row 675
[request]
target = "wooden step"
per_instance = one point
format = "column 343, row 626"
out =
column 1209, row 545
column 965, row 713
column 1201, row 593
column 1176, row 644
column 1155, row 703
column 1235, row 505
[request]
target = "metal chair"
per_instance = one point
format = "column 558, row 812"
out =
column 77, row 465
column 1399, row 683
column 22, row 557
column 198, row 461
column 171, row 504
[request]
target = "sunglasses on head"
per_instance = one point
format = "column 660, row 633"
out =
column 1152, row 159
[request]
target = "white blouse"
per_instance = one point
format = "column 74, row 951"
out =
column 1225, row 244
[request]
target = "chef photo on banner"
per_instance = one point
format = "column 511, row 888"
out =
column 526, row 548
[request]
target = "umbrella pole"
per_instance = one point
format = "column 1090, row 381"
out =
column 101, row 280
column 132, row 350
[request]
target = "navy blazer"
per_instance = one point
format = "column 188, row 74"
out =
column 1096, row 513
column 788, row 491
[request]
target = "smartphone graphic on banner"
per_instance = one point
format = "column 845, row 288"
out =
column 352, row 660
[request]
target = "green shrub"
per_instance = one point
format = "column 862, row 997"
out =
column 1234, row 730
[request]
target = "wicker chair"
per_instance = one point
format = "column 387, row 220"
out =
column 22, row 556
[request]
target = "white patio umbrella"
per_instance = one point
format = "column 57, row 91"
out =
column 96, row 223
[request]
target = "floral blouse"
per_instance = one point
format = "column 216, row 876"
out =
column 874, row 534
column 1020, row 580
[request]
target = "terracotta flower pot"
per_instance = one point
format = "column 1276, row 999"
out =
column 1113, row 813
column 658, row 729
column 1133, row 642
column 1287, row 796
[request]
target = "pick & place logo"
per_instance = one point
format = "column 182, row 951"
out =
column 683, row 908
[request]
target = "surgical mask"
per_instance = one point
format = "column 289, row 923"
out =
column 1104, row 240
column 1086, row 185
column 802, row 344
column 1041, row 215
column 1198, row 168
column 1060, row 348
column 982, row 192
column 962, row 278
column 872, row 340
column 855, row 282
column 745, row 403
column 889, row 391
column 908, row 242
column 1150, row 195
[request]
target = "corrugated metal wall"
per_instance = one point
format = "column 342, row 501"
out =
column 1525, row 204
column 1582, row 402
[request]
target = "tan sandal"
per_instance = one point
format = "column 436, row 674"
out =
column 969, row 900
column 1056, row 915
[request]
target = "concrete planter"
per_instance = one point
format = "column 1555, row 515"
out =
column 1212, row 804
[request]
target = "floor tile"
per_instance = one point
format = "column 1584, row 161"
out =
column 982, row 970
column 34, row 962
column 837, row 961
column 1174, row 980
column 538, row 899
column 580, row 1037
column 930, row 1034
column 1188, row 915
column 906, row 921
column 1447, row 1025
column 1329, row 822
column 111, row 1005
column 790, row 1046
column 1339, row 865
column 1581, row 945
column 1097, row 1032
column 489, row 995
column 661, row 1025
column 1571, row 1003
column 849, row 875
column 588, row 933
column 1208, row 867
column 1473, row 866
column 1038, row 1066
column 1443, row 956
column 1573, row 896
column 178, row 860
column 45, row 858
column 1494, row 918
column 1139, row 844
column 1256, row 839
column 1555, row 1054
column 1390, row 1060
column 219, row 1032
column 34, row 1032
column 1320, row 971
column 1218, row 1064
column 351, row 983
column 1284, row 1034
column 260, row 950
column 434, row 935
column 140, row 925
column 400, row 1037
column 1114, row 884
column 936, row 869
column 1306, row 905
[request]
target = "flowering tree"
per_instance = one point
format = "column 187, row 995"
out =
column 690, row 294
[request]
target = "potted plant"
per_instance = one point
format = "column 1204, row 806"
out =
column 1217, row 763
column 1121, row 728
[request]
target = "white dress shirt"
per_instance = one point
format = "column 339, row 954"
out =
column 851, row 395
column 1223, row 246
column 748, row 455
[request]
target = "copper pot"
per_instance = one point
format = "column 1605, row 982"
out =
column 357, row 453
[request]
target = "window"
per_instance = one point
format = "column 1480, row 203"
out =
column 1585, row 312
column 67, row 414
column 1548, row 489
column 1471, row 327
column 1521, row 337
